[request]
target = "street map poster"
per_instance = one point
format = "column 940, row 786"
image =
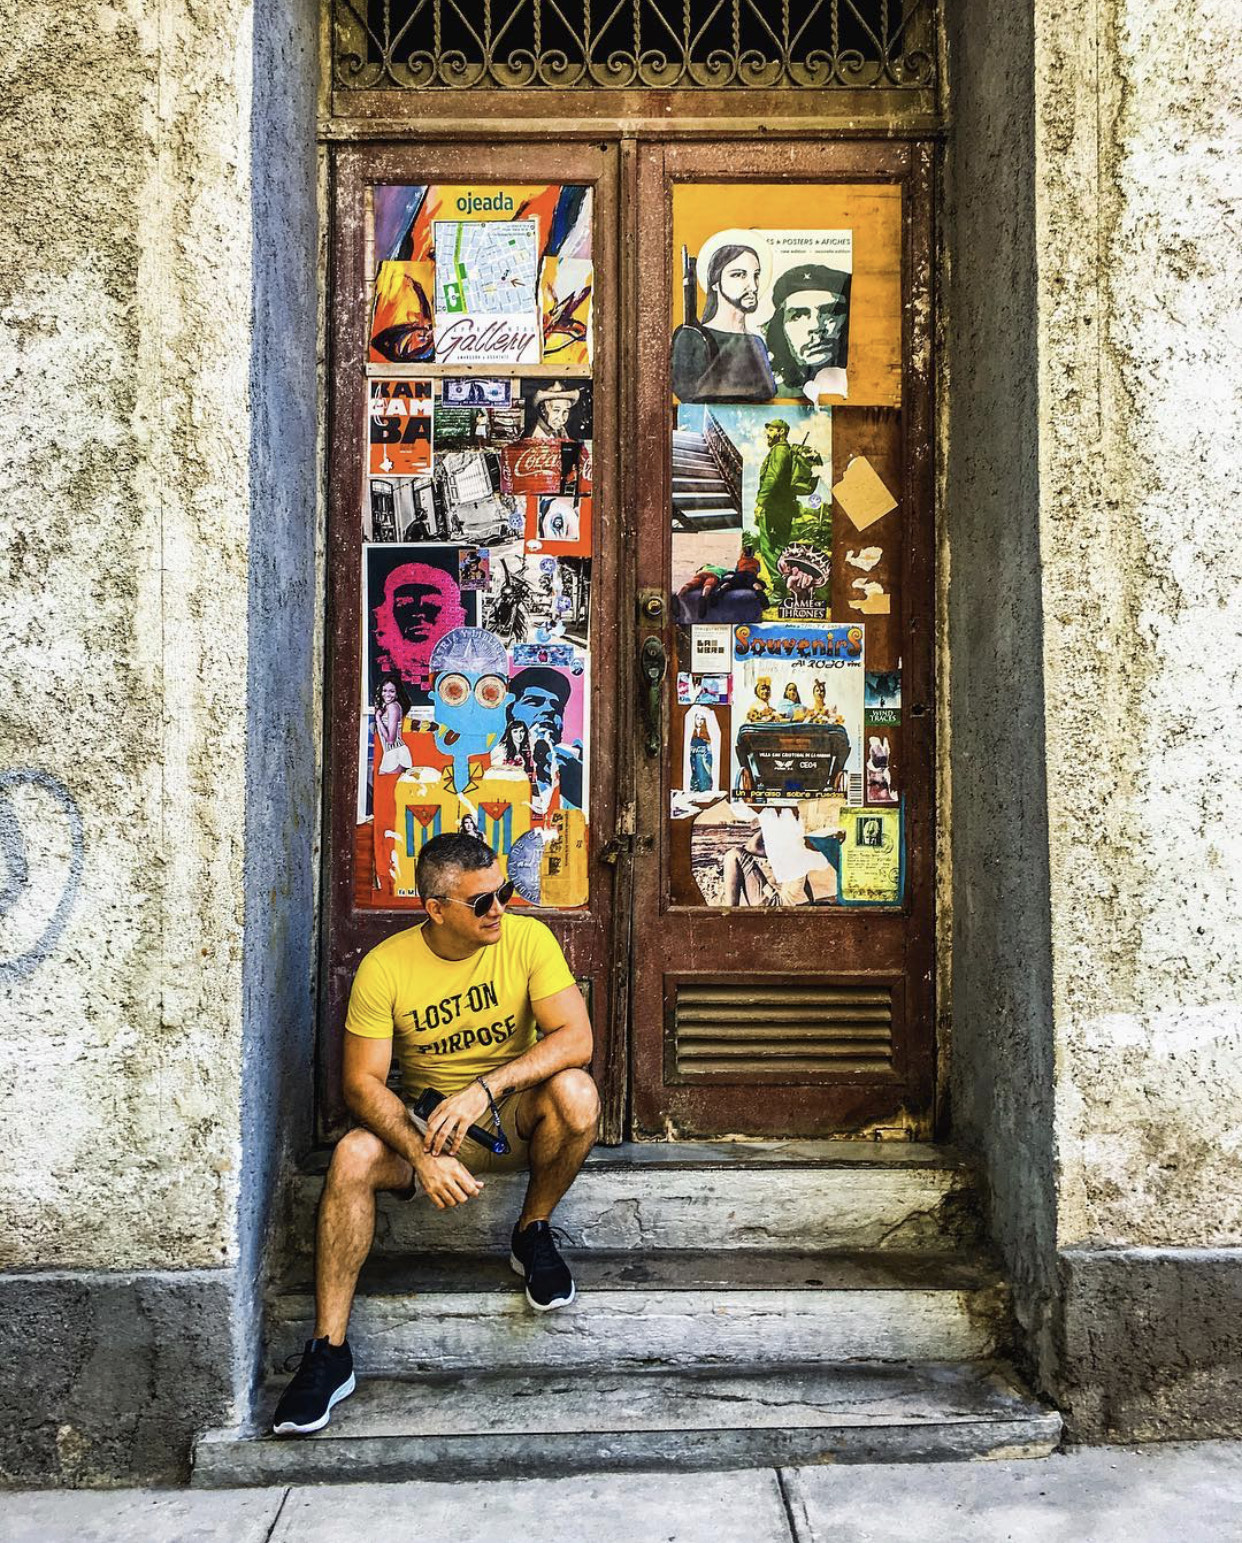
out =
column 487, row 292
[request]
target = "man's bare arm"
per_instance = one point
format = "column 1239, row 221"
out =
column 372, row 1101
column 567, row 1042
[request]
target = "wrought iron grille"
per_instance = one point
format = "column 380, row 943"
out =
column 652, row 44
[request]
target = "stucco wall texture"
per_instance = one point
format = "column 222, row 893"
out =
column 125, row 275
column 1138, row 188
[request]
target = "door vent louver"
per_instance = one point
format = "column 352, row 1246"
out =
column 777, row 1032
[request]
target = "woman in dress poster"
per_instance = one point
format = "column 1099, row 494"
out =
column 700, row 756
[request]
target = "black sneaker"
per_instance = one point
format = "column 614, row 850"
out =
column 533, row 1255
column 324, row 1377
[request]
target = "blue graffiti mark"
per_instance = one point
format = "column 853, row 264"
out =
column 15, row 865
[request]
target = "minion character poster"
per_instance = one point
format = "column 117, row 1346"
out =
column 477, row 549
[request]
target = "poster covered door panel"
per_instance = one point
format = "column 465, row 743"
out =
column 786, row 546
column 477, row 525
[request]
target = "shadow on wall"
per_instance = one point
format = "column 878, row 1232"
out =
column 283, row 762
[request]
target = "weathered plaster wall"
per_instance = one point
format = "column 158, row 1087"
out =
column 125, row 262
column 159, row 737
column 1095, row 178
column 1001, row 1056
column 1139, row 143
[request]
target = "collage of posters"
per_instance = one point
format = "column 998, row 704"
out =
column 477, row 536
column 786, row 762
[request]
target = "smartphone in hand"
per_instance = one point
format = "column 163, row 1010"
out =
column 495, row 1142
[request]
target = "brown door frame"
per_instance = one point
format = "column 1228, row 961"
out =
column 595, row 954
column 893, row 948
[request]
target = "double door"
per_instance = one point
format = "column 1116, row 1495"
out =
column 630, row 573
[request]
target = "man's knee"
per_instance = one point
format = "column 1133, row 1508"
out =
column 359, row 1160
column 574, row 1100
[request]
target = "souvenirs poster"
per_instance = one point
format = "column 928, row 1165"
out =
column 477, row 522
column 798, row 711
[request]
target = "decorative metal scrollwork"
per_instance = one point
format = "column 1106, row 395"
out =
column 640, row 44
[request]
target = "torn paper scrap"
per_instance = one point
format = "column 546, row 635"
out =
column 862, row 494
column 875, row 599
column 832, row 381
column 866, row 559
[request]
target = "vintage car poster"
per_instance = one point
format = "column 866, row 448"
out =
column 797, row 711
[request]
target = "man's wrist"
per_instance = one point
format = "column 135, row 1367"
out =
column 493, row 1086
column 416, row 1145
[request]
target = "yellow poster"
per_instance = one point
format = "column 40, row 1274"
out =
column 871, row 856
column 787, row 292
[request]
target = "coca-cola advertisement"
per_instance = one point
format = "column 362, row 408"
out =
column 549, row 466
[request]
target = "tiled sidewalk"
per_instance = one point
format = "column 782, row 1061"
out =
column 1188, row 1493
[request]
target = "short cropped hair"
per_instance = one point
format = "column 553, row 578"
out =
column 443, row 854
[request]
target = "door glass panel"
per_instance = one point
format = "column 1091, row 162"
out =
column 784, row 757
column 475, row 498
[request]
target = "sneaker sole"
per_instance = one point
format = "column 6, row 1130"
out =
column 518, row 1268
column 288, row 1428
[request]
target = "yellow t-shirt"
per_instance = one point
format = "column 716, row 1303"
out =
column 455, row 1020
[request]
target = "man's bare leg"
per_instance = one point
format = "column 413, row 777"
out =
column 559, row 1119
column 361, row 1165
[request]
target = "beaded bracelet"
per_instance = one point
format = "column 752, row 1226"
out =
column 491, row 1103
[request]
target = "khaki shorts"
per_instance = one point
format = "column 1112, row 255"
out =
column 478, row 1159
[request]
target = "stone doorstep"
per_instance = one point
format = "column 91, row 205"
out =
column 423, row 1314
column 812, row 1196
column 522, row 1425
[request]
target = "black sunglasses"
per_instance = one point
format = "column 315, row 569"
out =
column 482, row 904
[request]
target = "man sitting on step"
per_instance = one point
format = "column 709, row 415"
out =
column 484, row 1010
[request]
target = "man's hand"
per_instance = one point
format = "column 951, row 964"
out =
column 447, row 1122
column 447, row 1182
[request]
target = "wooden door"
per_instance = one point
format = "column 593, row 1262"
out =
column 472, row 494
column 783, row 875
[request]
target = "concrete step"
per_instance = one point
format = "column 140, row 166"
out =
column 796, row 1195
column 453, row 1312
column 686, row 439
column 522, row 1425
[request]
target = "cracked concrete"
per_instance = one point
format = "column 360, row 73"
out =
column 653, row 1207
